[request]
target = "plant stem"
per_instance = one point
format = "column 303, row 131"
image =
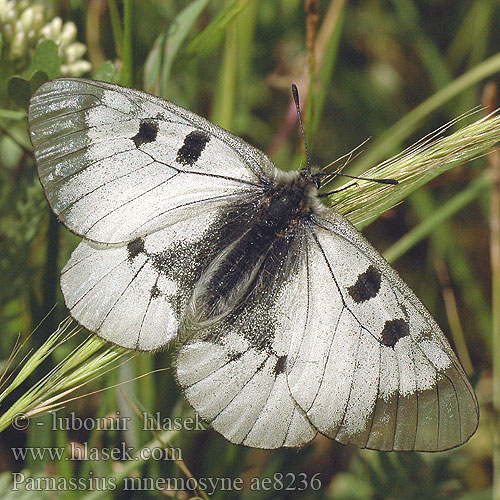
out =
column 127, row 77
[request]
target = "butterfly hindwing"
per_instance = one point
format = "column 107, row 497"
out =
column 380, row 373
column 134, row 294
column 117, row 164
column 130, row 294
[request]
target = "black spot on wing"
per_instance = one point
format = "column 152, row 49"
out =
column 194, row 144
column 148, row 130
column 394, row 330
column 155, row 292
column 280, row 365
column 367, row 285
column 134, row 248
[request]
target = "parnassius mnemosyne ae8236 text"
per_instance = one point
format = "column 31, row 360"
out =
column 289, row 322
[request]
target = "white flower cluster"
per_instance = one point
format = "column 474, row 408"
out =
column 23, row 25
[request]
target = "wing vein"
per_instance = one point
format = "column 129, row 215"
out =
column 350, row 388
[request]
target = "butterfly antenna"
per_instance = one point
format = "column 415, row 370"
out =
column 295, row 93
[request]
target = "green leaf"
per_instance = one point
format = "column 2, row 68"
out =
column 106, row 72
column 37, row 78
column 210, row 37
column 10, row 114
column 393, row 136
column 153, row 64
column 127, row 72
column 20, row 90
column 470, row 193
column 159, row 62
column 116, row 26
column 322, row 81
column 46, row 58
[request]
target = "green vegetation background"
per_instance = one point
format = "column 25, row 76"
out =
column 233, row 62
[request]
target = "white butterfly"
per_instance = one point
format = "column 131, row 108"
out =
column 290, row 323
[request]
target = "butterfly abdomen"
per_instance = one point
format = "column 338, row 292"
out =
column 230, row 278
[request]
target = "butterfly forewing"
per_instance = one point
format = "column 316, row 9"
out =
column 117, row 164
